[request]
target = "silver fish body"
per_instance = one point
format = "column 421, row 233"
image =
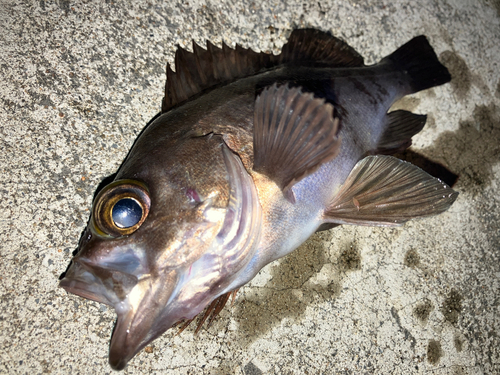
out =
column 251, row 155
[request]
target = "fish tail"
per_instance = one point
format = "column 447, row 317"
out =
column 419, row 61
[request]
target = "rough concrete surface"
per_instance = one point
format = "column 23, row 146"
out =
column 79, row 80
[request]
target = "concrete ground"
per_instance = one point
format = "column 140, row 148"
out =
column 78, row 81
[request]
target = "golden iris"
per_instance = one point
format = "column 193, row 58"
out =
column 121, row 208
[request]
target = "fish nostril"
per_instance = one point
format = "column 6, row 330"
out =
column 193, row 195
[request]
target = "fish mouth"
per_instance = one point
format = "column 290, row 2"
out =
column 139, row 303
column 121, row 349
column 103, row 285
column 144, row 316
column 126, row 342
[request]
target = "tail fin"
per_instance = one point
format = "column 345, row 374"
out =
column 419, row 61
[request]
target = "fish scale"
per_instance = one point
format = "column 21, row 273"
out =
column 251, row 154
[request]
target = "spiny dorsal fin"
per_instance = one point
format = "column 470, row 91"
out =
column 318, row 48
column 384, row 191
column 204, row 68
column 294, row 134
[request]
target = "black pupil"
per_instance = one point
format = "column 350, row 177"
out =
column 126, row 213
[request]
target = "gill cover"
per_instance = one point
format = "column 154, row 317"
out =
column 171, row 295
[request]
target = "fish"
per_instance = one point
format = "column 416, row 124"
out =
column 250, row 155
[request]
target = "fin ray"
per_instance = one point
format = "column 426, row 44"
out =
column 294, row 134
column 385, row 191
column 318, row 48
column 401, row 127
column 204, row 68
column 418, row 59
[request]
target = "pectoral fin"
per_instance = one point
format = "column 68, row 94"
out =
column 294, row 134
column 385, row 191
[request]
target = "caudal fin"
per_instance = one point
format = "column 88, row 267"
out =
column 418, row 59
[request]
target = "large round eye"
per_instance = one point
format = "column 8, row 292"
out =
column 121, row 208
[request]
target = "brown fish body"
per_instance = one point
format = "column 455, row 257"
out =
column 252, row 155
column 228, row 112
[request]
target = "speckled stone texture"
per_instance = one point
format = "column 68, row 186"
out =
column 80, row 79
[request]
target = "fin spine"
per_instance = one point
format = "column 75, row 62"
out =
column 205, row 68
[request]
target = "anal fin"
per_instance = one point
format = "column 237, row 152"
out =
column 385, row 191
column 294, row 134
column 401, row 126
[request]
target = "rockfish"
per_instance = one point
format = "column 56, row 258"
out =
column 251, row 154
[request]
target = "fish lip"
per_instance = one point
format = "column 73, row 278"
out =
column 120, row 351
column 119, row 364
column 80, row 289
column 74, row 282
column 139, row 322
column 125, row 343
column 84, row 279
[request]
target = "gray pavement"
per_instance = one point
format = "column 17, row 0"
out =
column 79, row 80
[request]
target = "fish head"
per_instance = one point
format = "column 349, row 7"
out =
column 166, row 238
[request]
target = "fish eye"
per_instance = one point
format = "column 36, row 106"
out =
column 121, row 208
column 126, row 213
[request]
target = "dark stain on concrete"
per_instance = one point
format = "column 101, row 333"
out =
column 408, row 103
column 332, row 290
column 423, row 310
column 495, row 4
column 225, row 367
column 285, row 296
column 300, row 265
column 497, row 92
column 472, row 150
column 460, row 74
column 251, row 369
column 350, row 259
column 431, row 122
column 288, row 293
column 446, row 36
column 412, row 259
column 434, row 352
column 452, row 307
column 458, row 342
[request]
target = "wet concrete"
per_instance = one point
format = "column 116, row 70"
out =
column 79, row 80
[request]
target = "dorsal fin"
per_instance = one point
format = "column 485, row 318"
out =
column 204, row 68
column 320, row 49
